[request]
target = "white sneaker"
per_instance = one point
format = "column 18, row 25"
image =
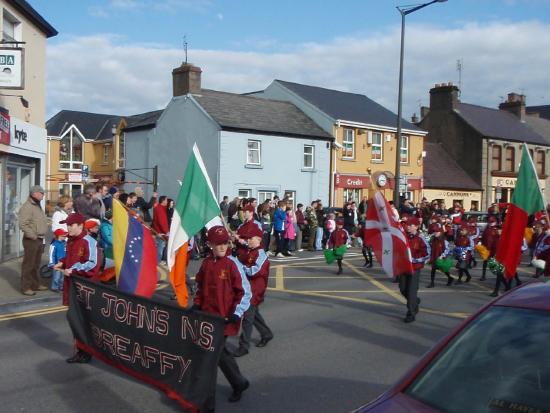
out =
column 300, row 250
column 289, row 253
column 270, row 254
column 280, row 255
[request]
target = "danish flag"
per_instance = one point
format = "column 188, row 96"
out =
column 387, row 238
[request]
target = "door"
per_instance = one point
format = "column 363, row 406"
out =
column 18, row 183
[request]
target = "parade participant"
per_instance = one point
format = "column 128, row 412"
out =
column 92, row 227
column 223, row 290
column 473, row 233
column 439, row 249
column 540, row 227
column 81, row 259
column 366, row 250
column 499, row 270
column 57, row 252
column 408, row 283
column 256, row 267
column 463, row 252
column 489, row 239
column 338, row 237
column 448, row 227
column 241, row 236
column 542, row 247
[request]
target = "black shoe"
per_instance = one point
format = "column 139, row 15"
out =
column 409, row 318
column 370, row 265
column 468, row 278
column 339, row 271
column 483, row 278
column 263, row 342
column 459, row 281
column 493, row 294
column 365, row 264
column 241, row 351
column 237, row 393
column 450, row 282
column 430, row 285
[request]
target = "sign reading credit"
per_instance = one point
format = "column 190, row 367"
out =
column 175, row 349
column 11, row 68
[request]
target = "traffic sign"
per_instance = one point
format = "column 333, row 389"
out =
column 85, row 172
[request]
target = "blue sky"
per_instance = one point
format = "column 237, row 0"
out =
column 243, row 45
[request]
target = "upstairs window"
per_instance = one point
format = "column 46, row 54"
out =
column 70, row 151
column 348, row 143
column 540, row 163
column 496, row 158
column 106, row 150
column 121, row 149
column 510, row 160
column 253, row 155
column 10, row 27
column 309, row 156
column 404, row 151
column 377, row 147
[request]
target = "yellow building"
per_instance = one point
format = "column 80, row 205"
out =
column 82, row 147
column 364, row 149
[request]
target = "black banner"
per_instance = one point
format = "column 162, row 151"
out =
column 171, row 348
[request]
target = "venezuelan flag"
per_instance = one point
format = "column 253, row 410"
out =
column 134, row 254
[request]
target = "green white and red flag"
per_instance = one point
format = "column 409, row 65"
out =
column 195, row 207
column 526, row 200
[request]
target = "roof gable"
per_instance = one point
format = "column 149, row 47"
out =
column 247, row 113
column 145, row 120
column 498, row 124
column 442, row 171
column 93, row 126
column 347, row 106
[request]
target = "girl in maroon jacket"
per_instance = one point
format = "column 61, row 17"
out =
column 439, row 249
column 338, row 237
column 463, row 252
column 223, row 290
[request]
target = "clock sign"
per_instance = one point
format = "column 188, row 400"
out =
column 382, row 180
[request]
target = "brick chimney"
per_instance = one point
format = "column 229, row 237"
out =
column 186, row 79
column 444, row 97
column 515, row 105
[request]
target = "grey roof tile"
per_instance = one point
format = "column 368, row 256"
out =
column 539, row 125
column 347, row 106
column 442, row 171
column 498, row 124
column 94, row 126
column 542, row 110
column 240, row 112
column 145, row 120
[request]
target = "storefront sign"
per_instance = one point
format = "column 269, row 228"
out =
column 11, row 68
column 76, row 177
column 498, row 182
column 4, row 128
column 351, row 181
column 27, row 136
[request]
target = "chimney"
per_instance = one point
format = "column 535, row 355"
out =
column 186, row 79
column 443, row 97
column 515, row 104
column 414, row 118
column 424, row 110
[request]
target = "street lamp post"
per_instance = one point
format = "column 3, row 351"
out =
column 404, row 10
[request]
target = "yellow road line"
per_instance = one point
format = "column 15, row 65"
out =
column 34, row 313
column 380, row 291
column 377, row 283
column 279, row 278
column 289, row 277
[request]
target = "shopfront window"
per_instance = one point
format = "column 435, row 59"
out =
column 18, row 182
column 70, row 189
column 70, row 150
column 352, row 194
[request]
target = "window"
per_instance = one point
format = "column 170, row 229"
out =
column 253, row 156
column 540, row 162
column 377, row 146
column 69, row 189
column 348, row 150
column 352, row 194
column 11, row 27
column 309, row 156
column 290, row 197
column 106, row 150
column 509, row 162
column 70, row 151
column 497, row 154
column 404, row 153
column 265, row 196
column 244, row 193
column 121, row 150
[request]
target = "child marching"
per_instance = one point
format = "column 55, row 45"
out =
column 338, row 242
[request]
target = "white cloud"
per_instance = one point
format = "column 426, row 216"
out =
column 99, row 74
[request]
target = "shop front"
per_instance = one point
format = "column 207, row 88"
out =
column 470, row 200
column 22, row 160
column 502, row 188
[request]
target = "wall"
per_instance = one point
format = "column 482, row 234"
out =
column 281, row 167
column 35, row 73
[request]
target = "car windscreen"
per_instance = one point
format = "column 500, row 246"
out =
column 499, row 363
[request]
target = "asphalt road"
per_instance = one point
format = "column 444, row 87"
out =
column 339, row 342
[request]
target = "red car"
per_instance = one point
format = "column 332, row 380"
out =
column 496, row 361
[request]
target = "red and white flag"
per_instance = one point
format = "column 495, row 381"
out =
column 389, row 243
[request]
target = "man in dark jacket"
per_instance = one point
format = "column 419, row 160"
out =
column 87, row 204
column 223, row 290
column 143, row 206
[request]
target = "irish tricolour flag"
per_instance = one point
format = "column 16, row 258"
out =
column 526, row 200
column 195, row 207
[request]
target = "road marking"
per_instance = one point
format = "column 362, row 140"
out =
column 288, row 277
column 33, row 313
column 380, row 291
column 377, row 283
column 279, row 278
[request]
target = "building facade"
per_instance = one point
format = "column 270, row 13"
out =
column 364, row 154
column 23, row 145
column 251, row 147
column 486, row 142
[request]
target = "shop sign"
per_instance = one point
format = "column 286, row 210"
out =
column 11, row 68
column 4, row 128
column 27, row 136
column 351, row 181
column 74, row 177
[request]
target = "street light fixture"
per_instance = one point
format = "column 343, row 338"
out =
column 404, row 10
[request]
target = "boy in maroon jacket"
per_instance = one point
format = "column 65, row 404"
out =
column 338, row 237
column 223, row 290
